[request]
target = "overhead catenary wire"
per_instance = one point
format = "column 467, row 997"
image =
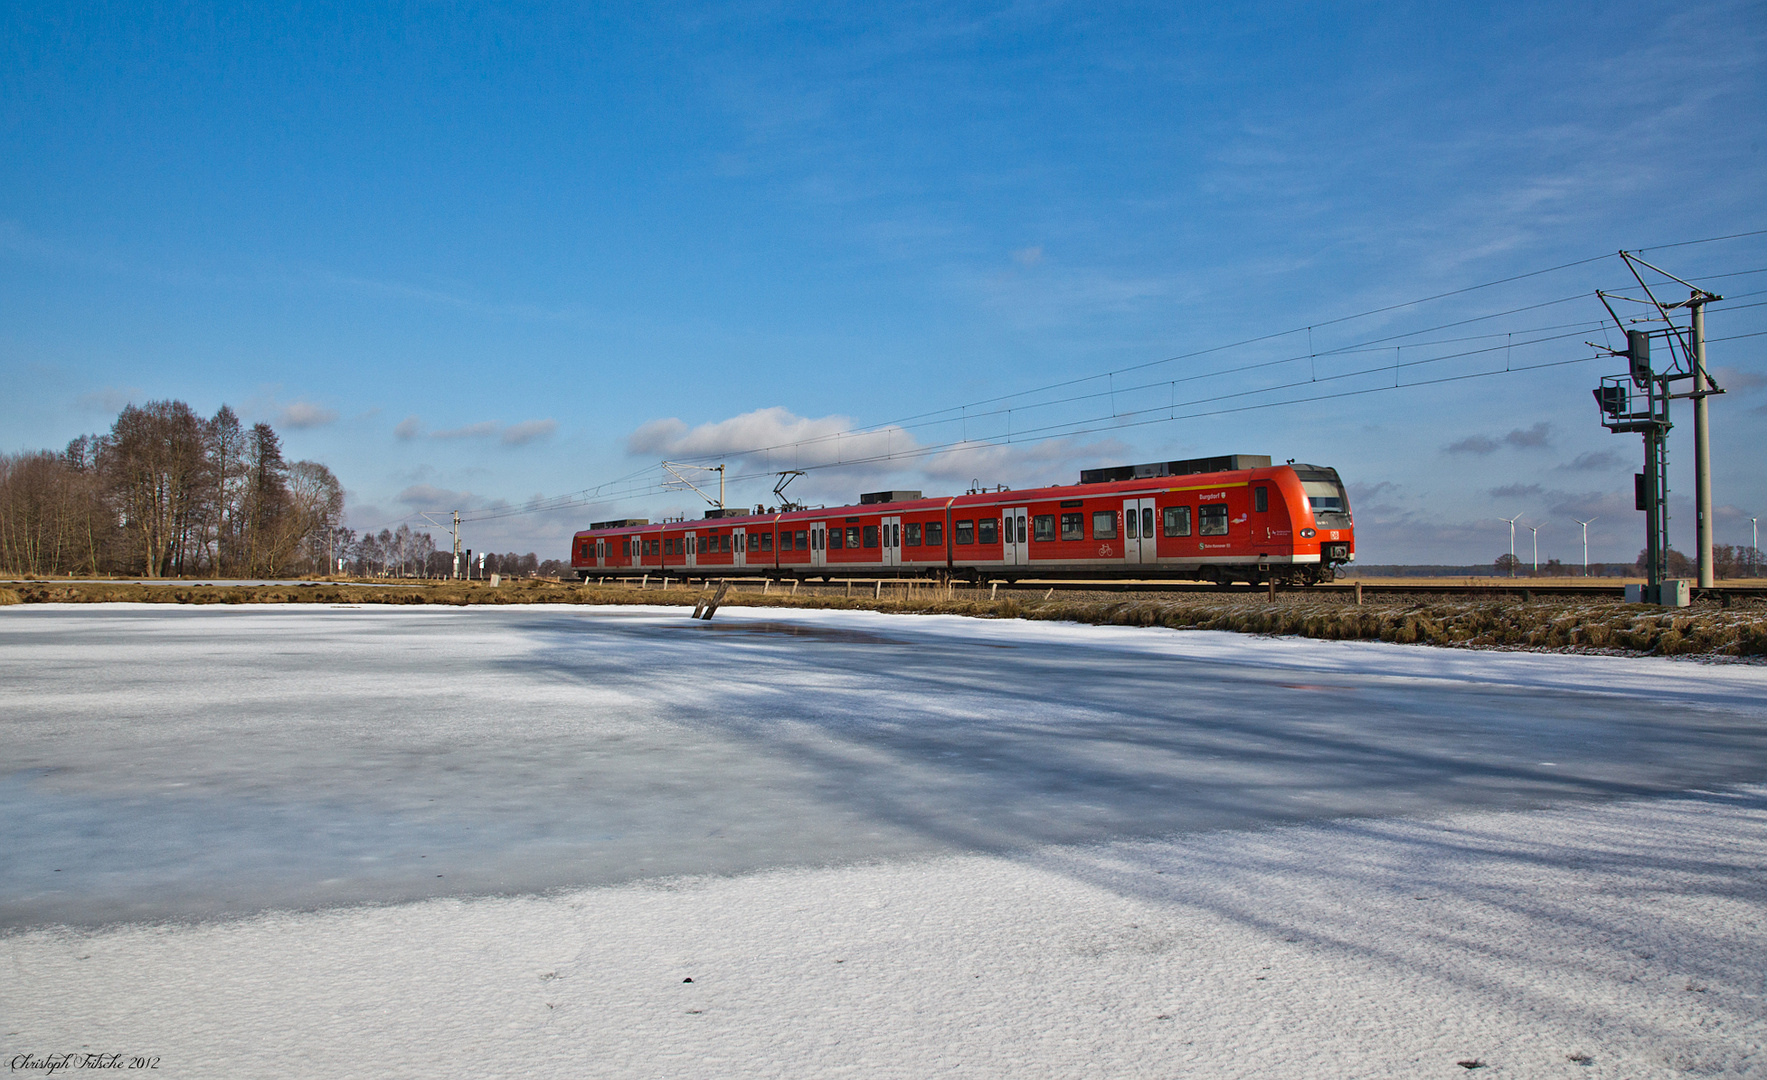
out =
column 1112, row 422
column 633, row 485
column 1019, row 434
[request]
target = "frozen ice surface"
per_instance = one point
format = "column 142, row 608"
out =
column 1621, row 939
column 165, row 761
column 879, row 846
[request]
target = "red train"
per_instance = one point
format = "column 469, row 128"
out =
column 1223, row 519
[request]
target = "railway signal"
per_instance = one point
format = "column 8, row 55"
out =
column 1647, row 414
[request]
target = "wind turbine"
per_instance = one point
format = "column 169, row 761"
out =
column 1535, row 529
column 1512, row 522
column 1585, row 525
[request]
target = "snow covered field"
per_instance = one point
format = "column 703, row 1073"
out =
column 878, row 845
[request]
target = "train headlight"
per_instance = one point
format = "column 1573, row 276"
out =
column 1308, row 534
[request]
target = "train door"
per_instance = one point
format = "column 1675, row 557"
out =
column 1139, row 538
column 890, row 541
column 691, row 559
column 739, row 543
column 819, row 543
column 1014, row 541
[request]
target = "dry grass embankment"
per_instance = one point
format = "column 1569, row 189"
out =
column 1542, row 623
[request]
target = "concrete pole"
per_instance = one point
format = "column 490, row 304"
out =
column 1702, row 442
column 456, row 545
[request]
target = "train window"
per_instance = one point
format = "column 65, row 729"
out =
column 1129, row 529
column 625, row 547
column 1043, row 527
column 966, row 532
column 869, row 532
column 987, row 531
column 852, row 536
column 835, row 538
column 724, row 542
column 803, row 540
column 1147, row 522
column 1104, row 525
column 1073, row 526
column 911, row 534
column 935, row 534
column 1212, row 521
column 1177, row 520
column 1322, row 497
column 767, row 541
column 1260, row 499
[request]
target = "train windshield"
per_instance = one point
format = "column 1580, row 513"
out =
column 1322, row 497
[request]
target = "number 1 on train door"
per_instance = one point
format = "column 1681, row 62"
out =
column 1138, row 531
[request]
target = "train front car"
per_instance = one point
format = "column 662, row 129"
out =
column 1222, row 519
column 1322, row 508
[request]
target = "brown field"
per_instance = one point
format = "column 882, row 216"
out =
column 1568, row 623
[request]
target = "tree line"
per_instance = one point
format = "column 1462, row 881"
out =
column 1728, row 561
column 168, row 493
column 403, row 552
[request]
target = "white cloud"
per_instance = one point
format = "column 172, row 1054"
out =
column 528, row 431
column 517, row 434
column 305, row 414
column 484, row 429
column 776, row 435
column 1472, row 444
column 1594, row 460
column 775, row 439
column 430, row 497
column 1538, row 437
column 1738, row 381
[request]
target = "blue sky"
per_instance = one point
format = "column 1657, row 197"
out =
column 468, row 255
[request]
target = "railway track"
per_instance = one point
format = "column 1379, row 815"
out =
column 1518, row 589
column 1377, row 588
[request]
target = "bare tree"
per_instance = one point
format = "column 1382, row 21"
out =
column 151, row 462
column 315, row 502
column 266, row 507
